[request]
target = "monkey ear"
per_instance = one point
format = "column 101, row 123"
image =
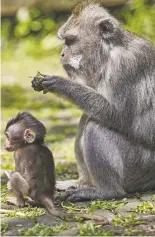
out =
column 29, row 136
column 107, row 28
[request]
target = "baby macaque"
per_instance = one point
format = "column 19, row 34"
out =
column 34, row 174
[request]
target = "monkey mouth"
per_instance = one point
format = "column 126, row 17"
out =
column 70, row 70
column 9, row 148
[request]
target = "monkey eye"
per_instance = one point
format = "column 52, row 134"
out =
column 70, row 40
column 7, row 135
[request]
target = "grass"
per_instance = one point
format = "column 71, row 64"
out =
column 94, row 230
column 109, row 205
column 146, row 207
column 4, row 193
column 126, row 221
column 26, row 212
column 4, row 227
column 43, row 230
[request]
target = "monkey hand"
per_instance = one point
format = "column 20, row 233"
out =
column 37, row 84
column 48, row 83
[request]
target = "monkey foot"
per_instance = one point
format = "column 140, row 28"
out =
column 13, row 200
column 73, row 195
column 64, row 185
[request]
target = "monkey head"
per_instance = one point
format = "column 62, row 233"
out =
column 88, row 35
column 22, row 130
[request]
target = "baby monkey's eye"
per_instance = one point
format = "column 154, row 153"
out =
column 70, row 40
column 7, row 135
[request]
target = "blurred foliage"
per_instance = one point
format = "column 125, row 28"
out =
column 13, row 96
column 36, row 30
column 139, row 18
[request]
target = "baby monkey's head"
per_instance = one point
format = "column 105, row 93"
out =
column 22, row 130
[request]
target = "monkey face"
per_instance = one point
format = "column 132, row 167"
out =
column 14, row 138
column 71, row 57
column 88, row 36
column 22, row 130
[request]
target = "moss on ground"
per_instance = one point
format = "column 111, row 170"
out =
column 4, row 193
column 109, row 205
column 44, row 230
column 94, row 230
column 126, row 221
column 146, row 207
column 4, row 227
column 26, row 212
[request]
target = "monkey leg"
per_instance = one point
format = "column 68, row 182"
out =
column 84, row 180
column 19, row 187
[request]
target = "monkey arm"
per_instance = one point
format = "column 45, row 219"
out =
column 88, row 99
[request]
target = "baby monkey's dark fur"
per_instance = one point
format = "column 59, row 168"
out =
column 34, row 174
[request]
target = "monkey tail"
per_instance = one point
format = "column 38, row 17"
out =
column 50, row 208
column 49, row 205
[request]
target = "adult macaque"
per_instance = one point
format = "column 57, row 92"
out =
column 114, row 85
column 34, row 174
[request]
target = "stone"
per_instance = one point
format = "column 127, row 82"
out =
column 144, row 229
column 16, row 224
column 82, row 204
column 129, row 200
column 146, row 217
column 20, row 222
column 147, row 197
column 125, row 213
column 152, row 224
column 71, row 232
column 49, row 220
column 128, row 207
column 118, row 230
column 106, row 214
column 12, row 232
column 8, row 207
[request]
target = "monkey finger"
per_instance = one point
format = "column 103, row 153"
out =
column 73, row 198
column 37, row 89
column 63, row 196
column 49, row 85
column 36, row 86
column 75, row 195
column 68, row 196
column 48, row 78
column 36, row 82
column 43, row 75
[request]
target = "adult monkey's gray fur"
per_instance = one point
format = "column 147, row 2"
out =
column 115, row 144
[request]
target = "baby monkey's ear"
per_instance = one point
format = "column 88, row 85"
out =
column 29, row 136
